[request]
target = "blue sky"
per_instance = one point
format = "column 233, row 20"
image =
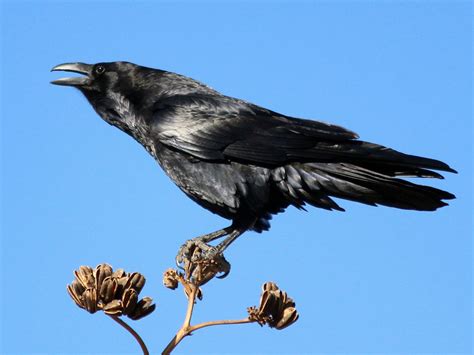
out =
column 76, row 191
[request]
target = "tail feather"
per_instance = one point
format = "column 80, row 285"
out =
column 374, row 185
column 374, row 157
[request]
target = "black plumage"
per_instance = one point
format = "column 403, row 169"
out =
column 245, row 162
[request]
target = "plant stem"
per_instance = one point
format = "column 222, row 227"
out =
column 189, row 310
column 219, row 322
column 133, row 332
column 187, row 329
column 183, row 331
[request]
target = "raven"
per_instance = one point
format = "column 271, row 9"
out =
column 245, row 162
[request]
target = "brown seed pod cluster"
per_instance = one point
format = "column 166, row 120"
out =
column 114, row 292
column 276, row 309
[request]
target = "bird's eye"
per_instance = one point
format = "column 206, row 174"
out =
column 99, row 69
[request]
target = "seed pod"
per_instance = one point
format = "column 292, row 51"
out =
column 101, row 272
column 119, row 273
column 268, row 303
column 90, row 300
column 76, row 290
column 108, row 289
column 85, row 276
column 290, row 315
column 121, row 284
column 143, row 308
column 136, row 281
column 113, row 308
column 269, row 286
column 129, row 300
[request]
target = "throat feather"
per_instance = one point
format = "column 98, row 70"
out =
column 122, row 114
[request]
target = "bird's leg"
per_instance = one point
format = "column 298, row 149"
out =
column 232, row 236
column 206, row 238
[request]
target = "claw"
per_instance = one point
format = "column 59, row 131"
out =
column 225, row 270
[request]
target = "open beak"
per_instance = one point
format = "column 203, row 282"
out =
column 80, row 68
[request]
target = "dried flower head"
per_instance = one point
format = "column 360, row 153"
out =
column 171, row 279
column 276, row 309
column 116, row 293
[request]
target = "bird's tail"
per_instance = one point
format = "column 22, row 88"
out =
column 366, row 178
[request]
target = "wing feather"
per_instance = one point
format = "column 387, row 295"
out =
column 224, row 128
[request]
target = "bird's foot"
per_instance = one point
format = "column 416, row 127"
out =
column 201, row 262
column 192, row 250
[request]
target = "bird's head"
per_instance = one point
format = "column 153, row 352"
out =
column 111, row 88
column 98, row 78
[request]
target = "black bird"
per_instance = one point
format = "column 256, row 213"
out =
column 245, row 162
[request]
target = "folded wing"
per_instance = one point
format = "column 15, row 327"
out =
column 223, row 128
